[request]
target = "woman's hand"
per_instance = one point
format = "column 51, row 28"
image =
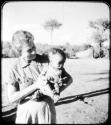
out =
column 41, row 81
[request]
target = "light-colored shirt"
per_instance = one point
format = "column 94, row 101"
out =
column 23, row 74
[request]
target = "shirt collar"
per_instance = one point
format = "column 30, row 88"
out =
column 23, row 62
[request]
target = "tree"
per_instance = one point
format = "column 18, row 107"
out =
column 100, row 26
column 51, row 25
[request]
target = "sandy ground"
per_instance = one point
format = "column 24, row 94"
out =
column 90, row 83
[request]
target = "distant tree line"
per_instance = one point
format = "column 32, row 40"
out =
column 70, row 50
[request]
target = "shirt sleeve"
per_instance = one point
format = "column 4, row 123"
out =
column 11, row 79
column 66, row 76
column 67, row 80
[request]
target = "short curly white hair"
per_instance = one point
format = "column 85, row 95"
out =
column 22, row 38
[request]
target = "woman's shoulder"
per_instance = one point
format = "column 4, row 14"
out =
column 14, row 63
column 11, row 69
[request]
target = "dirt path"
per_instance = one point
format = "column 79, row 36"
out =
column 88, row 76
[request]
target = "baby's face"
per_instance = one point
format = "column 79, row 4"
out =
column 56, row 61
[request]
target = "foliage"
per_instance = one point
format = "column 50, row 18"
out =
column 99, row 36
column 51, row 25
column 8, row 51
column 70, row 50
column 100, row 24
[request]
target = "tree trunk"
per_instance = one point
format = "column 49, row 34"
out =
column 100, row 51
column 51, row 33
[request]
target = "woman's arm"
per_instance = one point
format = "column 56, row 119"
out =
column 15, row 95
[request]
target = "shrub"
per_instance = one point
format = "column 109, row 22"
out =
column 8, row 51
column 70, row 50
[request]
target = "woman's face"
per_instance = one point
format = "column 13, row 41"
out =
column 29, row 52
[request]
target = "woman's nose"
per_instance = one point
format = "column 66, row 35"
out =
column 33, row 52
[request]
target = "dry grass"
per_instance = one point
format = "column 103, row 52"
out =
column 89, row 75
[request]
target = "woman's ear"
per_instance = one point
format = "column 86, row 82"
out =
column 50, row 57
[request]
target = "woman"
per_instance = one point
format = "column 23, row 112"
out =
column 22, row 87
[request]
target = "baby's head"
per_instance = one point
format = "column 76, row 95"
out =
column 57, row 58
column 23, row 41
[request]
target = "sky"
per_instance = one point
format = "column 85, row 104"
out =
column 31, row 16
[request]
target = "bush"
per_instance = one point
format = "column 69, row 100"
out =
column 8, row 51
column 70, row 50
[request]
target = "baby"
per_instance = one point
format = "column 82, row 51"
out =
column 54, row 74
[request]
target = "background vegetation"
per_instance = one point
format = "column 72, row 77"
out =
column 100, row 35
